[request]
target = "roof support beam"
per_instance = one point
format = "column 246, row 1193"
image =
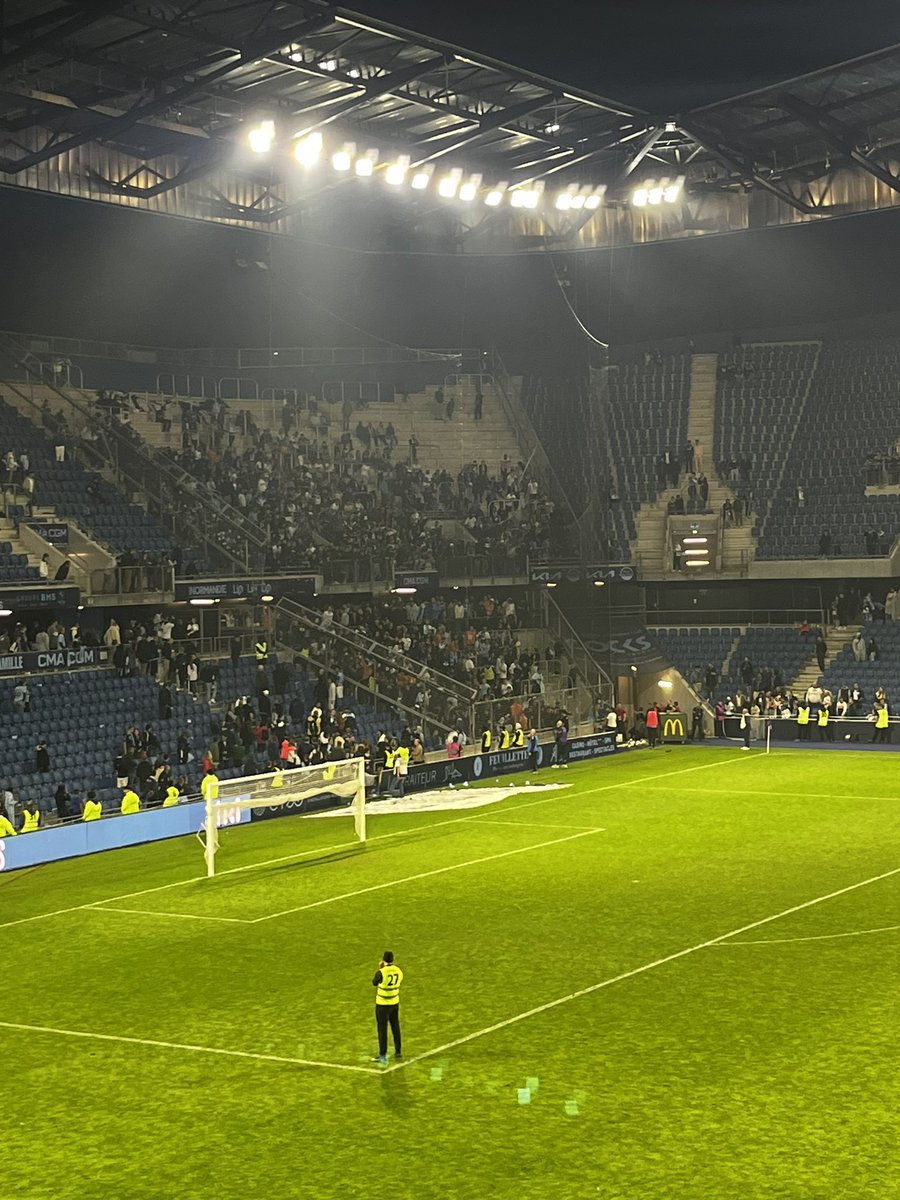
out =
column 380, row 85
column 748, row 169
column 105, row 129
column 837, row 137
column 489, row 123
column 73, row 23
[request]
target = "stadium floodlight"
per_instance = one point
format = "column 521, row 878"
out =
column 308, row 150
column 342, row 160
column 365, row 164
column 495, row 195
column 305, row 788
column 639, row 197
column 448, row 184
column 468, row 189
column 564, row 200
column 395, row 172
column 354, row 72
column 267, row 598
column 328, row 64
column 422, row 177
column 261, row 137
column 405, row 591
column 673, row 190
column 296, row 56
column 654, row 194
column 579, row 198
column 203, row 601
column 525, row 197
column 595, row 199
column 553, row 127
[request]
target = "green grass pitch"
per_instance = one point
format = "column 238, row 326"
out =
column 576, row 1022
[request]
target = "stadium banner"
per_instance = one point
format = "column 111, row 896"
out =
column 245, row 589
column 46, row 596
column 109, row 833
column 595, row 573
column 54, row 532
column 459, row 772
column 417, row 579
column 34, row 661
column 673, row 728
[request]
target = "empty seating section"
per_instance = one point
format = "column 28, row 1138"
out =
column 78, row 494
column 565, row 418
column 883, row 672
column 760, row 394
column 647, row 414
column 14, row 567
column 693, row 649
column 781, row 648
column 83, row 717
column 853, row 409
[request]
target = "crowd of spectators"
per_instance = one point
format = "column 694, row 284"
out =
column 882, row 468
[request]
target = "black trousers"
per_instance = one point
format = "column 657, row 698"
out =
column 387, row 1014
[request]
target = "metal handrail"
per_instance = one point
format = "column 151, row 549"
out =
column 459, row 692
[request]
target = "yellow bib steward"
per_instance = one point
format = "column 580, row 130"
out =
column 388, row 991
column 803, row 715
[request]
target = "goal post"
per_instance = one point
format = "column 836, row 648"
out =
column 344, row 781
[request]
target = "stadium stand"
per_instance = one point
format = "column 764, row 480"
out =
column 79, row 495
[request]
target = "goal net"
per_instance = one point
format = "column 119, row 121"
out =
column 303, row 789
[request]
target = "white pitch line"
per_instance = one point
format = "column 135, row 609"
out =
column 819, row 937
column 152, row 912
column 540, row 825
column 271, row 862
column 136, row 1041
column 658, row 962
column 377, row 887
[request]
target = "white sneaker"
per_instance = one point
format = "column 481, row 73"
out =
column 745, row 747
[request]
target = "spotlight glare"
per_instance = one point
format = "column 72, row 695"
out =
column 421, row 178
column 366, row 164
column 328, row 64
column 469, row 190
column 639, row 197
column 495, row 196
column 395, row 172
column 654, row 195
column 261, row 137
column 307, row 150
column 564, row 201
column 448, row 184
column 342, row 160
column 578, row 200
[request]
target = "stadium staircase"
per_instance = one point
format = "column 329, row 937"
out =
column 837, row 639
column 738, row 542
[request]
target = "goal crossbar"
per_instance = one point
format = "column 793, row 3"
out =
column 345, row 780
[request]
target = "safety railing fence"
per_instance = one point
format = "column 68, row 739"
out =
column 539, row 709
column 293, row 636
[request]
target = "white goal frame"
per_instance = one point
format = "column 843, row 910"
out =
column 345, row 778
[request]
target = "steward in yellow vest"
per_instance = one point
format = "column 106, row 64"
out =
column 519, row 736
column 803, row 722
column 131, row 802
column 209, row 786
column 486, row 739
column 387, row 981
column 31, row 818
column 172, row 796
column 93, row 809
column 504, row 738
column 6, row 827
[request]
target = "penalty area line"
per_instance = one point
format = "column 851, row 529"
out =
column 189, row 1047
column 297, row 854
column 635, row 971
column 378, row 887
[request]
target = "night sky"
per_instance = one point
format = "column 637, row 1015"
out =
column 662, row 55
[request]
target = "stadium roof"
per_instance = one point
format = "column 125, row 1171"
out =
column 174, row 86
